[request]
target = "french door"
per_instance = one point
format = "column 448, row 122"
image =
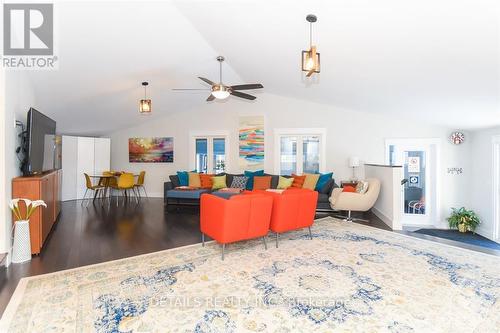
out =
column 210, row 154
column 419, row 159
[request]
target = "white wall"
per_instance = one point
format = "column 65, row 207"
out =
column 388, row 204
column 348, row 133
column 481, row 189
column 19, row 97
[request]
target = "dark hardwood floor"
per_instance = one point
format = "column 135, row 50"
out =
column 94, row 234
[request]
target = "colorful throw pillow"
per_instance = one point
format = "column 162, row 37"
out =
column 349, row 188
column 362, row 187
column 284, row 183
column 206, row 180
column 323, row 179
column 250, row 175
column 218, row 182
column 298, row 181
column 194, row 179
column 261, row 182
column 239, row 182
column 311, row 181
column 183, row 178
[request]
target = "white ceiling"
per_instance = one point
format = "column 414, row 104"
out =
column 432, row 60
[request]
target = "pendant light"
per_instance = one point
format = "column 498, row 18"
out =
column 310, row 58
column 145, row 104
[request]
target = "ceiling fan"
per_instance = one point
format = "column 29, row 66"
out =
column 221, row 91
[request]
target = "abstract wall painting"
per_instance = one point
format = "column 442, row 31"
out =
column 251, row 142
column 151, row 150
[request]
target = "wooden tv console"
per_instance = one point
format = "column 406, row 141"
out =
column 46, row 187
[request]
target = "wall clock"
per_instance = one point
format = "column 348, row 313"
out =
column 457, row 138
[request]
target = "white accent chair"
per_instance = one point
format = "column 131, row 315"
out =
column 351, row 201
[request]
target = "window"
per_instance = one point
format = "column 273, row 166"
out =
column 209, row 153
column 300, row 151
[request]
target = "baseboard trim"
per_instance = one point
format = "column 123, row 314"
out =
column 387, row 220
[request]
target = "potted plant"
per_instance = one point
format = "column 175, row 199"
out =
column 463, row 219
column 21, row 248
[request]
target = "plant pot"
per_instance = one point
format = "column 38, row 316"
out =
column 21, row 248
column 462, row 227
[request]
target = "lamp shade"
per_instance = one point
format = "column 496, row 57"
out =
column 353, row 162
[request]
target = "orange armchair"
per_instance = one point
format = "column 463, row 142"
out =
column 238, row 218
column 293, row 209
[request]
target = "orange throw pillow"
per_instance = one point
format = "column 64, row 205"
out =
column 298, row 181
column 261, row 182
column 349, row 189
column 206, row 180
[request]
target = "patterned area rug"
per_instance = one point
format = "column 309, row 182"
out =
column 348, row 278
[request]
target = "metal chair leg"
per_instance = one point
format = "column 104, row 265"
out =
column 310, row 233
column 135, row 195
column 265, row 243
column 202, row 239
column 223, row 248
column 277, row 236
column 146, row 193
column 84, row 195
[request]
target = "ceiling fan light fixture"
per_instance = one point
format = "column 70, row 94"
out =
column 220, row 91
column 145, row 104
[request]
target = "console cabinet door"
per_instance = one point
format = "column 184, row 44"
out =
column 47, row 191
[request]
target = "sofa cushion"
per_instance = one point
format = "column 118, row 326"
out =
column 194, row 179
column 175, row 181
column 284, row 183
column 327, row 188
column 183, row 178
column 311, row 181
column 261, row 182
column 218, row 182
column 298, row 181
column 183, row 194
column 323, row 197
column 229, row 178
column 206, row 180
column 250, row 175
column 239, row 182
column 323, row 179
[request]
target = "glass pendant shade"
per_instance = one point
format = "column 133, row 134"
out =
column 145, row 106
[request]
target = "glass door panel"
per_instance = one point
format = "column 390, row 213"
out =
column 288, row 155
column 201, row 155
column 310, row 154
column 219, row 156
column 414, row 168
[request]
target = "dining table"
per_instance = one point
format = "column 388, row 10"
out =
column 104, row 180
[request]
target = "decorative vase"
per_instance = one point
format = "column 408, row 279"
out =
column 462, row 227
column 21, row 249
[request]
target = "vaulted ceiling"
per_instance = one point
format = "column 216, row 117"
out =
column 435, row 61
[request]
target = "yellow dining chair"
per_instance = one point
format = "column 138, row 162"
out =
column 140, row 184
column 126, row 182
column 90, row 186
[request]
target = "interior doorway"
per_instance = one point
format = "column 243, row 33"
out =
column 420, row 160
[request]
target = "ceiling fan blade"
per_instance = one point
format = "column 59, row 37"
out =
column 210, row 98
column 206, row 80
column 243, row 95
column 182, row 89
column 247, row 86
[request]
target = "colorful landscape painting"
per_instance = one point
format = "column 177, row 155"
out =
column 151, row 150
column 251, row 142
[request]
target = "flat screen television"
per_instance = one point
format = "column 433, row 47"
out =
column 41, row 144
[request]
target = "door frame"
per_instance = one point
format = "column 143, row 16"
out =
column 495, row 146
column 435, row 180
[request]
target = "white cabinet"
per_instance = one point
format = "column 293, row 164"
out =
column 82, row 155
